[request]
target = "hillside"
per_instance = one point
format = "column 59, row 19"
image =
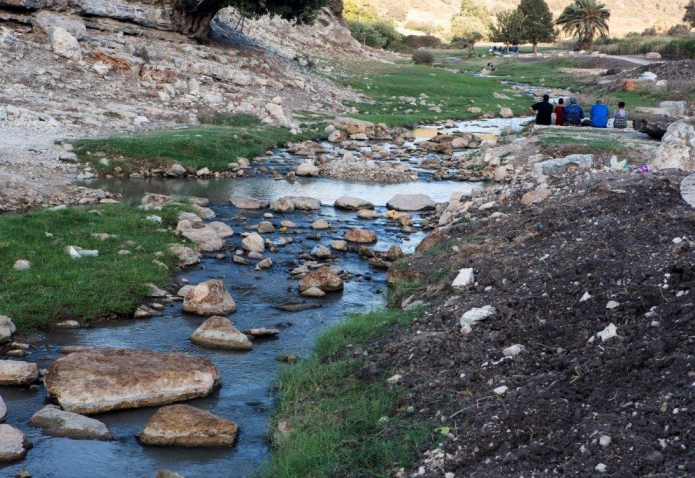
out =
column 627, row 15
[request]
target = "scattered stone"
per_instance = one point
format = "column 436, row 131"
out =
column 609, row 332
column 3, row 410
column 57, row 422
column 266, row 263
column 14, row 372
column 246, row 202
column 7, row 328
column 464, row 279
column 513, row 351
column 265, row 227
column 21, row 265
column 612, row 305
column 144, row 312
column 559, row 166
column 219, row 332
column 297, row 307
column 322, row 278
column 352, row 204
column 585, row 297
column 207, row 238
column 321, row 252
column 313, row 292
column 127, row 379
column 13, row 444
column 64, row 44
column 221, row 229
column 361, row 236
column 308, row 169
column 506, row 113
column 183, row 425
column 67, row 324
column 535, row 197
column 168, row 474
column 288, row 224
column 320, row 225
column 477, row 314
column 601, row 468
column 253, row 243
column 262, row 332
column 501, row 390
column 339, row 245
column 604, row 441
column 410, row 202
column 395, row 253
column 367, row 214
column 209, row 298
column 186, row 255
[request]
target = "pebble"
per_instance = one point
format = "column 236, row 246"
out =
column 601, row 468
column 501, row 390
column 612, row 304
column 585, row 297
column 605, row 440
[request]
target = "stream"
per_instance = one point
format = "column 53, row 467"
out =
column 246, row 395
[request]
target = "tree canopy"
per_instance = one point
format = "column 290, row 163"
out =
column 472, row 18
column 508, row 28
column 298, row 11
column 537, row 22
column 689, row 16
column 585, row 19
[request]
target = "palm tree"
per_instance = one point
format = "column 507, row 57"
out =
column 585, row 19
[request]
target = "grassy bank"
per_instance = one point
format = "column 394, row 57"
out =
column 58, row 287
column 213, row 146
column 669, row 47
column 451, row 92
column 343, row 426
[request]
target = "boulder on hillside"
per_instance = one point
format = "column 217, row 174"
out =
column 60, row 423
column 209, row 298
column 13, row 444
column 64, row 44
column 352, row 204
column 655, row 125
column 101, row 380
column 322, row 278
column 219, row 332
column 45, row 21
column 411, row 202
column 677, row 149
column 183, row 425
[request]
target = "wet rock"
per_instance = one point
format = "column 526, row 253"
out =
column 3, row 410
column 13, row 444
column 308, row 169
column 283, row 204
column 176, row 171
column 352, row 126
column 183, row 425
column 323, row 278
column 411, row 202
column 221, row 229
column 246, row 202
column 291, row 358
column 127, row 379
column 265, row 227
column 313, row 292
column 559, row 166
column 266, row 263
column 14, row 372
column 297, row 307
column 339, row 245
column 395, row 253
column 262, row 332
column 320, row 225
column 57, row 422
column 367, row 214
column 144, row 312
column 7, row 328
column 219, row 332
column 168, row 474
column 253, row 243
column 209, row 298
column 352, row 204
column 321, row 252
column 361, row 236
column 183, row 291
column 506, row 113
column 302, row 203
column 288, row 224
column 240, row 260
column 207, row 238
column 256, row 256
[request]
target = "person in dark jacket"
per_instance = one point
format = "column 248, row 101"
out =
column 543, row 111
column 574, row 114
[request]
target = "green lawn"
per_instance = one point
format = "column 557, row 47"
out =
column 212, row 146
column 58, row 287
column 343, row 426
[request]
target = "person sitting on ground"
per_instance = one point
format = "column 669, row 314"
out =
column 573, row 114
column 543, row 111
column 620, row 118
column 599, row 115
column 560, row 112
column 490, row 66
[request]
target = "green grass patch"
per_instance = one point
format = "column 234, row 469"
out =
column 579, row 141
column 213, row 146
column 58, row 287
column 343, row 426
column 453, row 93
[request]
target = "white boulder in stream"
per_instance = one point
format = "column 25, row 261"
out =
column 14, row 372
column 209, row 298
column 207, row 238
column 13, row 444
column 101, row 380
column 253, row 243
column 60, row 423
column 411, row 202
column 219, row 332
column 183, row 425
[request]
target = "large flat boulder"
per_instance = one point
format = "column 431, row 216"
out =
column 560, row 165
column 209, row 298
column 352, row 204
column 219, row 332
column 246, row 202
column 101, row 380
column 183, row 425
column 60, row 423
column 410, row 202
column 207, row 238
column 14, row 372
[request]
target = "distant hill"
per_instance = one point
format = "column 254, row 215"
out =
column 626, row 15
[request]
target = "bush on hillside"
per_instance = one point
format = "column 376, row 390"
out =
column 423, row 41
column 366, row 34
column 423, row 57
column 388, row 31
column 680, row 30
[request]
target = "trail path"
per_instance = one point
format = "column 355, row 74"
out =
column 634, row 59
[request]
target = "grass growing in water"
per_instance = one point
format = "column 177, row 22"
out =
column 337, row 419
column 60, row 288
column 212, row 146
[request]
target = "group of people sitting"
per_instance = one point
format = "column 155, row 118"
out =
column 573, row 114
column 503, row 50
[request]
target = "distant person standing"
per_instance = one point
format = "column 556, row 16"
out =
column 560, row 112
column 620, row 118
column 574, row 114
column 599, row 115
column 543, row 111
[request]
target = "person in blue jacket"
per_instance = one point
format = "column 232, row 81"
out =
column 599, row 115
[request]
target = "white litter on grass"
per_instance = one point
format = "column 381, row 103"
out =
column 608, row 332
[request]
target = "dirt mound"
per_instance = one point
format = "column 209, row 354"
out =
column 605, row 249
column 670, row 70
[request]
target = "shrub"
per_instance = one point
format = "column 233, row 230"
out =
column 366, row 34
column 680, row 30
column 423, row 57
column 650, row 32
column 422, row 41
column 387, row 31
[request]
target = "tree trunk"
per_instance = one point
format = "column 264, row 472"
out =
column 535, row 48
column 192, row 17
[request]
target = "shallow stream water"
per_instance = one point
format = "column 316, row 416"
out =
column 247, row 377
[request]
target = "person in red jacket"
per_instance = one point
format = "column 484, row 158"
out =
column 560, row 112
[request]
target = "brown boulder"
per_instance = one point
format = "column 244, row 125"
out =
column 362, row 236
column 219, row 332
column 209, row 298
column 183, row 425
column 322, row 278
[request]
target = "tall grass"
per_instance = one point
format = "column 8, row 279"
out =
column 668, row 47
